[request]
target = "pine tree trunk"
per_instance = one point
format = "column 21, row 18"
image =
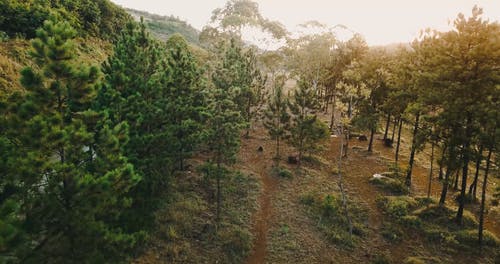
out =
column 441, row 162
column 332, row 119
column 399, row 139
column 346, row 142
column 396, row 121
column 430, row 172
column 219, row 195
column 446, row 184
column 413, row 150
column 465, row 170
column 277, row 151
column 457, row 175
column 370, row 145
column 388, row 122
column 473, row 186
column 483, row 199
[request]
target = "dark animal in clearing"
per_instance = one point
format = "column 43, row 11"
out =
column 293, row 160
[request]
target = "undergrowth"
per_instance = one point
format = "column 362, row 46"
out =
column 186, row 226
column 329, row 215
column 408, row 215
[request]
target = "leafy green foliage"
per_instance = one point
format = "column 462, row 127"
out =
column 99, row 18
column 68, row 175
column 277, row 118
column 163, row 27
column 306, row 130
column 329, row 212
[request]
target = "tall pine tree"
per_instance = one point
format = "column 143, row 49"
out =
column 72, row 180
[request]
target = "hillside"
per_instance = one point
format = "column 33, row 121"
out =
column 126, row 141
column 164, row 26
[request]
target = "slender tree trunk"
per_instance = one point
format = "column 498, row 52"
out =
column 388, row 122
column 370, row 145
column 277, row 151
column 346, row 142
column 413, row 150
column 473, row 186
column 399, row 139
column 457, row 176
column 441, row 162
column 248, row 117
column 465, row 170
column 219, row 195
column 430, row 172
column 341, row 187
column 483, row 199
column 446, row 183
column 332, row 119
column 396, row 121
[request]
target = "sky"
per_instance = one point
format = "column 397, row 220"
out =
column 379, row 21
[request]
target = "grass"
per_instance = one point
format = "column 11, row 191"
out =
column 328, row 213
column 437, row 224
column 282, row 172
column 186, row 227
column 391, row 181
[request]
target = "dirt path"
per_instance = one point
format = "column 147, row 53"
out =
column 261, row 164
column 262, row 219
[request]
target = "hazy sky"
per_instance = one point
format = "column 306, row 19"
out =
column 379, row 21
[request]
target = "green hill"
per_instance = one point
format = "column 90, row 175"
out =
column 165, row 26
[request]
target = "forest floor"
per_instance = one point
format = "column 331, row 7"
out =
column 286, row 234
column 266, row 221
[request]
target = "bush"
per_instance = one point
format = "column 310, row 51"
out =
column 392, row 185
column 381, row 259
column 414, row 260
column 3, row 36
column 411, row 221
column 282, row 172
column 397, row 206
column 392, row 233
column 328, row 211
column 237, row 243
column 470, row 238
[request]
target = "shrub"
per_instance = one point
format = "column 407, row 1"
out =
column 392, row 233
column 328, row 211
column 237, row 243
column 414, row 260
column 397, row 206
column 470, row 238
column 392, row 185
column 282, row 172
column 381, row 259
column 411, row 221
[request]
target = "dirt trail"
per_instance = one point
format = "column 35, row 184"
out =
column 261, row 219
column 261, row 163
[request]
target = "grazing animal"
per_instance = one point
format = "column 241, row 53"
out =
column 293, row 159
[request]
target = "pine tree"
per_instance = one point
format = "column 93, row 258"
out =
column 73, row 181
column 134, row 92
column 185, row 100
column 277, row 118
column 306, row 130
column 224, row 122
column 244, row 77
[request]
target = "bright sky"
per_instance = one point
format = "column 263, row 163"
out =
column 379, row 21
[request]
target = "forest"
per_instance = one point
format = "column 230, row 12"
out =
column 129, row 137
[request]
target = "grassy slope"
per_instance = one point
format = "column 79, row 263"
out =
column 14, row 55
column 164, row 26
